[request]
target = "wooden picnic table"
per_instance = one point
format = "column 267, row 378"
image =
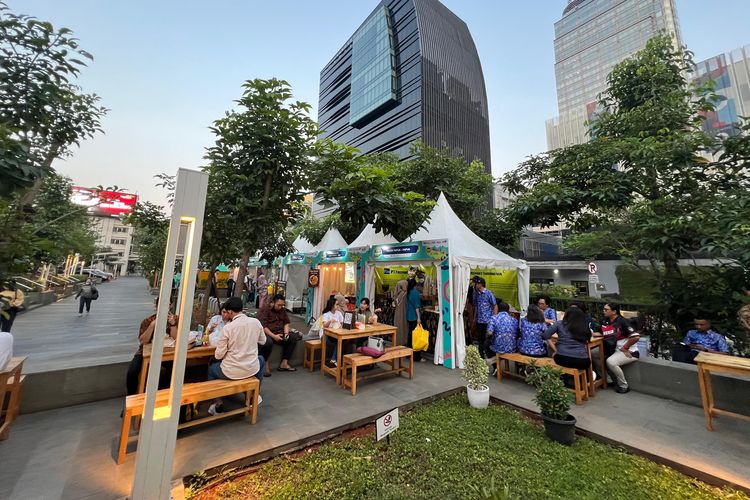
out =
column 206, row 351
column 709, row 362
column 342, row 334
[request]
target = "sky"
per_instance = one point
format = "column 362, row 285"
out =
column 167, row 68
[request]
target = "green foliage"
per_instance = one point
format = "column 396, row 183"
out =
column 553, row 290
column 313, row 229
column 397, row 196
column 442, row 450
column 643, row 186
column 48, row 231
column 497, row 228
column 552, row 397
column 150, row 228
column 475, row 373
column 42, row 113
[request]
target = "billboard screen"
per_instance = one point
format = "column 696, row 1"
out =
column 104, row 203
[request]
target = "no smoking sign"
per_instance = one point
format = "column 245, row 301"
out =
column 387, row 424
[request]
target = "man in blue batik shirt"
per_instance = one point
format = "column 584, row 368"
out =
column 486, row 307
column 502, row 332
column 701, row 339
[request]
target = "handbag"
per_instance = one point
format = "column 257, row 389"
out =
column 420, row 338
column 376, row 343
column 94, row 294
column 369, row 351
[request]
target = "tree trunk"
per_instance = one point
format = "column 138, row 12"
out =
column 239, row 284
column 203, row 311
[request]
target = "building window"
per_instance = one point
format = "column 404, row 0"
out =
column 117, row 241
column 373, row 69
column 119, row 229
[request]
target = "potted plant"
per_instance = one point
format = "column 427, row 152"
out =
column 475, row 375
column 553, row 399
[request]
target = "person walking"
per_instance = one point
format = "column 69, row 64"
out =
column 11, row 301
column 262, row 289
column 86, row 294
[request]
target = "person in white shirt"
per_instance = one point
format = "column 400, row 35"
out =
column 6, row 349
column 332, row 318
column 237, row 349
column 216, row 324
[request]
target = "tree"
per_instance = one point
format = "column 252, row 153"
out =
column 646, row 183
column 52, row 229
column 42, row 114
column 150, row 228
column 259, row 169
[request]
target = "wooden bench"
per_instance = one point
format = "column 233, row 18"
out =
column 354, row 361
column 193, row 393
column 311, row 347
column 11, row 382
column 580, row 377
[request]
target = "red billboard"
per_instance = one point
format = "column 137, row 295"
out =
column 104, row 203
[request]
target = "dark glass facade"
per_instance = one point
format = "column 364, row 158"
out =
column 410, row 72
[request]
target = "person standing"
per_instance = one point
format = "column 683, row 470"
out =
column 550, row 315
column 485, row 305
column 230, row 284
column 399, row 312
column 276, row 323
column 701, row 339
column 237, row 350
column 413, row 313
column 86, row 294
column 261, row 285
column 617, row 328
column 11, row 301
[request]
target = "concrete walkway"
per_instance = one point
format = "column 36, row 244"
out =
column 54, row 337
column 70, row 452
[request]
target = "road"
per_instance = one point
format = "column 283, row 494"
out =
column 54, row 337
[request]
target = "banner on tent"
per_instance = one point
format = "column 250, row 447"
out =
column 502, row 282
column 297, row 258
column 433, row 250
column 313, row 278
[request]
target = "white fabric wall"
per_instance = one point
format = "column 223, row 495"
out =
column 461, row 274
column 296, row 280
column 438, row 359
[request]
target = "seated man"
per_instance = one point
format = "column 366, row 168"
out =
column 702, row 338
column 275, row 323
column 237, row 349
column 502, row 332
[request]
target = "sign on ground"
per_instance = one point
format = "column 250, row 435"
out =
column 387, row 424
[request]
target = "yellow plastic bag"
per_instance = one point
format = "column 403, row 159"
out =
column 420, row 338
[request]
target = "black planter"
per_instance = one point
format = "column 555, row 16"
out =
column 561, row 431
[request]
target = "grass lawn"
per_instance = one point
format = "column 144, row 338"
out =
column 448, row 450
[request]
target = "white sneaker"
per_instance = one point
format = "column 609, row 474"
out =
column 595, row 376
column 260, row 399
column 80, row 315
column 215, row 409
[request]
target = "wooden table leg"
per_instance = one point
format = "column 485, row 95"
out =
column 142, row 376
column 338, row 361
column 323, row 354
column 704, row 397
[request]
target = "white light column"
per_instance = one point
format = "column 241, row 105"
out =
column 156, row 443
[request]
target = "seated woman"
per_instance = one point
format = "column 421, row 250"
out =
column 531, row 341
column 364, row 310
column 332, row 318
column 573, row 334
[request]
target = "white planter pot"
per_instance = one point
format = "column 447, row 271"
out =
column 479, row 399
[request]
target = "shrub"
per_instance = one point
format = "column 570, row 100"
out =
column 475, row 373
column 552, row 397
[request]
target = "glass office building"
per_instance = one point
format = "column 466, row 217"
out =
column 590, row 39
column 730, row 73
column 410, row 71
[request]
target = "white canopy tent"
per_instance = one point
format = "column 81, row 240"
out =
column 467, row 251
column 369, row 237
column 294, row 272
column 332, row 240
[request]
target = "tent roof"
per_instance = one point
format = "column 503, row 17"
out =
column 332, row 240
column 301, row 245
column 466, row 246
column 369, row 237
